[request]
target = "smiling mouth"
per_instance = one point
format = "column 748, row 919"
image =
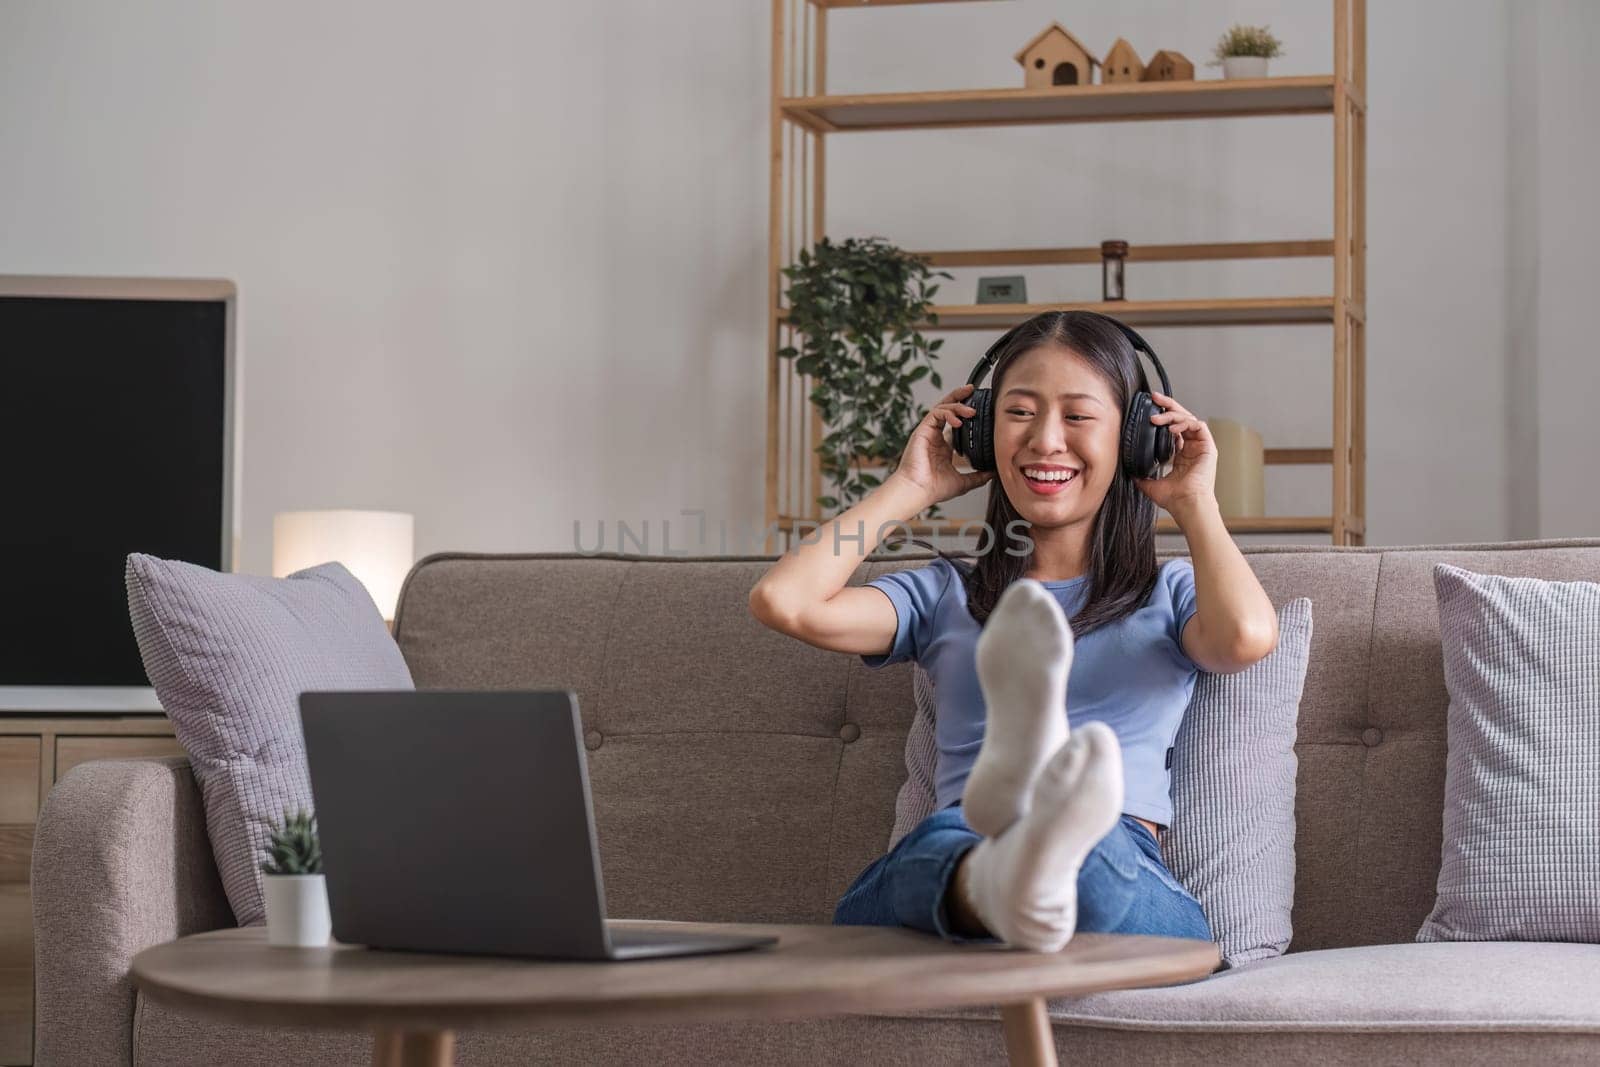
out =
column 1048, row 479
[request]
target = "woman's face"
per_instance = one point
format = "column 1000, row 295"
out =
column 1055, row 416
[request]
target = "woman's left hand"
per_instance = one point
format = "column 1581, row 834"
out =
column 1194, row 459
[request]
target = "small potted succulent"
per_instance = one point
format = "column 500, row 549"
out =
column 1243, row 51
column 297, row 893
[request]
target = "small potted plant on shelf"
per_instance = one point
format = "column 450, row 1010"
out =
column 1243, row 51
column 856, row 307
column 296, row 891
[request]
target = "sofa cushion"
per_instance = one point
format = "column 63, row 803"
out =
column 672, row 671
column 1231, row 843
column 1521, row 854
column 229, row 656
column 1445, row 986
column 1233, row 779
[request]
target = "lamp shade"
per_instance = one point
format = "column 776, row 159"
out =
column 375, row 546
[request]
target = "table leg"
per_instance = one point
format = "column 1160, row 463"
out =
column 413, row 1048
column 1030, row 1042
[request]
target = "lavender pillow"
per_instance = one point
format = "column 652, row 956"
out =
column 229, row 655
column 1231, row 842
column 1521, row 853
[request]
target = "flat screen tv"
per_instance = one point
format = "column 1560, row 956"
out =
column 116, row 424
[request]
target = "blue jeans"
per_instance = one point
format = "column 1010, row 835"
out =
column 1123, row 886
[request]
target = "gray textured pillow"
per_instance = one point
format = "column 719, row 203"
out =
column 229, row 655
column 1521, row 854
column 1231, row 842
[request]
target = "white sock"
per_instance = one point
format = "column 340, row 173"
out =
column 1024, row 655
column 1024, row 883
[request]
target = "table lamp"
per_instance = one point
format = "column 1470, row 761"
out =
column 375, row 546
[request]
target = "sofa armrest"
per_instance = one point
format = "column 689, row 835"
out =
column 120, row 862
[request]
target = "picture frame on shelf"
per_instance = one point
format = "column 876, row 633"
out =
column 1003, row 289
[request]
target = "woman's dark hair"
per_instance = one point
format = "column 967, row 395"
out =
column 1122, row 543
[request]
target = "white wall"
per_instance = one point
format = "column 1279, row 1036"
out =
column 1436, row 219
column 1558, row 230
column 501, row 263
column 1522, row 273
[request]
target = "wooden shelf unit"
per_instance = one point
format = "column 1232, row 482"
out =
column 1033, row 257
column 1267, row 524
column 1124, row 102
column 36, row 749
column 882, row 3
column 803, row 115
column 1280, row 310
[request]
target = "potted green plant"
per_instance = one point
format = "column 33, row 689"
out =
column 857, row 306
column 1243, row 51
column 296, row 891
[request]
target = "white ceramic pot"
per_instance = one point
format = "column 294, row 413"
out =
column 297, row 910
column 1244, row 67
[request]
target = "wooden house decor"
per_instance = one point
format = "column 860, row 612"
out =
column 1055, row 57
column 1121, row 64
column 1168, row 66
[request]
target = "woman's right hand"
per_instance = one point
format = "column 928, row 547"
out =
column 928, row 461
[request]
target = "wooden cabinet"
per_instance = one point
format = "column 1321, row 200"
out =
column 71, row 751
column 20, row 770
column 34, row 752
column 16, row 972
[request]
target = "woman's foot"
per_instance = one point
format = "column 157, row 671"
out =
column 1024, row 884
column 1024, row 655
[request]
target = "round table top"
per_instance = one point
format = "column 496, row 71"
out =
column 813, row 971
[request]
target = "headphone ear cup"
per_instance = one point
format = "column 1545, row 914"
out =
column 977, row 432
column 1163, row 442
column 1139, row 448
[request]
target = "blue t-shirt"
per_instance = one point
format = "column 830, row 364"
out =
column 1132, row 675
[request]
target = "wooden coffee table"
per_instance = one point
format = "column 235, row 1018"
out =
column 414, row 1002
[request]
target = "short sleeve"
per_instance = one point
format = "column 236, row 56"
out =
column 915, row 594
column 1178, row 576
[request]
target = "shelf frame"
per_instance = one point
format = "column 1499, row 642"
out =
column 1117, row 102
column 804, row 114
column 1272, row 457
column 1090, row 254
column 1249, row 311
column 805, row 525
column 858, row 4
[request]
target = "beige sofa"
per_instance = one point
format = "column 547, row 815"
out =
column 741, row 775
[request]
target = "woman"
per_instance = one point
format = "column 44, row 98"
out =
column 1038, row 832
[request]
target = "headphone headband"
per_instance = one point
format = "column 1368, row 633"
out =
column 1144, row 446
column 1139, row 345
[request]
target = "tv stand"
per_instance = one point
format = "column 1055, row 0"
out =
column 36, row 748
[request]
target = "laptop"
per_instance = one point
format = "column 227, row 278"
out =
column 461, row 822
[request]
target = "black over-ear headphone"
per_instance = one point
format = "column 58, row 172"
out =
column 1145, row 446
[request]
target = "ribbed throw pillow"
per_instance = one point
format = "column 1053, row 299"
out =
column 1520, row 859
column 1231, row 842
column 229, row 656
